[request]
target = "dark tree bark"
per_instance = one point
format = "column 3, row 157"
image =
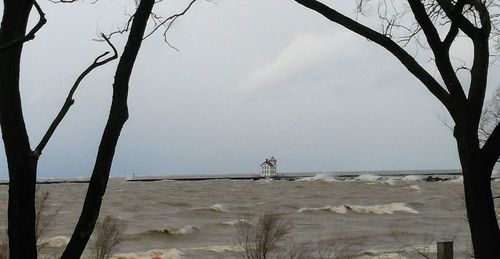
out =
column 477, row 163
column 21, row 163
column 118, row 115
column 477, row 167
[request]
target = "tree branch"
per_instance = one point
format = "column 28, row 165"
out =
column 484, row 17
column 117, row 117
column 491, row 150
column 31, row 34
column 442, row 57
column 453, row 32
column 123, row 30
column 481, row 62
column 425, row 23
column 171, row 19
column 406, row 59
column 69, row 100
column 465, row 25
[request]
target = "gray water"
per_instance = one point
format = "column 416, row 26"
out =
column 380, row 216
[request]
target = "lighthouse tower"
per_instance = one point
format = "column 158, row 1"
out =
column 273, row 161
column 268, row 167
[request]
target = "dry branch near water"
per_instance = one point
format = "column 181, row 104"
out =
column 45, row 216
column 107, row 235
column 269, row 238
column 260, row 241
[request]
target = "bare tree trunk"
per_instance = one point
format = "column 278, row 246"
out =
column 21, row 163
column 478, row 195
column 477, row 163
column 117, row 118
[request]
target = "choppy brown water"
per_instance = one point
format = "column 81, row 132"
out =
column 378, row 215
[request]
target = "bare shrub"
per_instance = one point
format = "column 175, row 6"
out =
column 107, row 235
column 427, row 248
column 268, row 238
column 296, row 251
column 260, row 241
column 424, row 251
column 338, row 249
column 45, row 216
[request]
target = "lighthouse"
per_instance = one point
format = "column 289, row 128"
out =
column 268, row 167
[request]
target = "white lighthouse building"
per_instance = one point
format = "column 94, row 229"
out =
column 268, row 167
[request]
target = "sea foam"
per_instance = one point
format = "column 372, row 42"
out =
column 342, row 209
column 459, row 179
column 391, row 180
column 220, row 248
column 188, row 229
column 383, row 209
column 156, row 254
column 368, row 177
column 372, row 209
column 236, row 222
column 216, row 207
column 319, row 177
column 410, row 178
column 58, row 241
column 414, row 187
column 380, row 255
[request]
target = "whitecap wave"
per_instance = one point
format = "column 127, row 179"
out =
column 383, row 209
column 58, row 241
column 236, row 222
column 220, row 248
column 391, row 180
column 368, row 178
column 371, row 209
column 409, row 251
column 215, row 207
column 410, row 178
column 156, row 253
column 459, row 179
column 218, row 208
column 381, row 255
column 342, row 209
column 319, row 177
column 413, row 187
column 188, row 229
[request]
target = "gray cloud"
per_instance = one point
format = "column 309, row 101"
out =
column 249, row 82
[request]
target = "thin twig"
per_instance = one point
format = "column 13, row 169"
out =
column 31, row 34
column 171, row 19
column 69, row 100
column 121, row 31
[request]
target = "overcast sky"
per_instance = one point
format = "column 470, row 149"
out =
column 253, row 78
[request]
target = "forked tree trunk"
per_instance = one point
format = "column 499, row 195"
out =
column 478, row 197
column 21, row 163
column 117, row 117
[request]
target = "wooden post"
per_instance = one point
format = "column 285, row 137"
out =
column 445, row 250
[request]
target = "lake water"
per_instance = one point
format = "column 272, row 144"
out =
column 380, row 217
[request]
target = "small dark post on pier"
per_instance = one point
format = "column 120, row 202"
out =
column 445, row 250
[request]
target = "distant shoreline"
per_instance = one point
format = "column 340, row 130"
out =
column 432, row 175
